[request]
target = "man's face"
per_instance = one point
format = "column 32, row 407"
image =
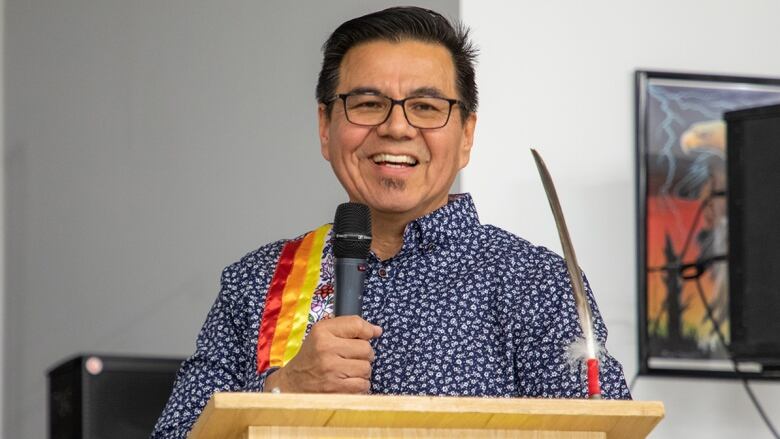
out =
column 365, row 159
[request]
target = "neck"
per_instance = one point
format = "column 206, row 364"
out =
column 387, row 231
column 387, row 235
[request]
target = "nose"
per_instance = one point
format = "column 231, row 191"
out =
column 396, row 125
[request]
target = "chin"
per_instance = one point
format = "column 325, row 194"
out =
column 393, row 207
column 393, row 204
column 415, row 208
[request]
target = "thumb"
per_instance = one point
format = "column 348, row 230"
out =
column 353, row 327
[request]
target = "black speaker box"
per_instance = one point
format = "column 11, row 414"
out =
column 753, row 162
column 102, row 397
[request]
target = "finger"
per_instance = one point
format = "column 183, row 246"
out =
column 354, row 369
column 355, row 385
column 353, row 327
column 355, row 349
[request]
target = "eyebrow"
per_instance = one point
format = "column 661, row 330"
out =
column 427, row 91
column 420, row 91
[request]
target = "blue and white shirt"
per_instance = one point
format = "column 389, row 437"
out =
column 466, row 309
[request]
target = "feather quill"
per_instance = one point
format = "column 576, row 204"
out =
column 586, row 349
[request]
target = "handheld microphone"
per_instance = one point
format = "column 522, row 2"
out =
column 352, row 241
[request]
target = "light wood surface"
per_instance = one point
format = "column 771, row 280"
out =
column 411, row 433
column 229, row 416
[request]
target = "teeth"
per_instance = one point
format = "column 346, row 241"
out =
column 394, row 159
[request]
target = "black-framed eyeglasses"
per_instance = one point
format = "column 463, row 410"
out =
column 371, row 109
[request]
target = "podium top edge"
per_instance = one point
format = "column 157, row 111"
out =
column 441, row 404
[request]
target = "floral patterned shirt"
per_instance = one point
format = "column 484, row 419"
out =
column 466, row 309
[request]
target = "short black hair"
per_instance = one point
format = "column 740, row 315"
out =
column 395, row 25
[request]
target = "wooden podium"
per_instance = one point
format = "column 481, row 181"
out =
column 265, row 415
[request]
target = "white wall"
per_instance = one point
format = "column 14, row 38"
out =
column 149, row 144
column 558, row 76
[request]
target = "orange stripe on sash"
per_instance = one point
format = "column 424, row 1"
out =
column 310, row 281
column 273, row 302
column 289, row 299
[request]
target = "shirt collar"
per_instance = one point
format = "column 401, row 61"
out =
column 444, row 225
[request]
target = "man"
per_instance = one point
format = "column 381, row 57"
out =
column 451, row 307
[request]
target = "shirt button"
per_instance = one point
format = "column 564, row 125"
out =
column 430, row 247
column 382, row 272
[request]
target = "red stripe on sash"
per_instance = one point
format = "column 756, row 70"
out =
column 273, row 304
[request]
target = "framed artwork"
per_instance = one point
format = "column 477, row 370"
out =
column 682, row 216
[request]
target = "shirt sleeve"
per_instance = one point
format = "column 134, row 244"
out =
column 223, row 361
column 543, row 339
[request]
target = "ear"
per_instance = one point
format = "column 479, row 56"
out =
column 468, row 139
column 324, row 130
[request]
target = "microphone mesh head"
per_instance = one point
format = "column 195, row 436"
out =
column 352, row 231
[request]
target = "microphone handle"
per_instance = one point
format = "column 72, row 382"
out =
column 350, row 275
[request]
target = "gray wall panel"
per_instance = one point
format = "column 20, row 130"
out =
column 149, row 144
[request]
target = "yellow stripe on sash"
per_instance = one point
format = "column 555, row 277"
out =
column 301, row 319
column 299, row 289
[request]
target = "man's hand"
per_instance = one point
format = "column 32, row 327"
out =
column 335, row 358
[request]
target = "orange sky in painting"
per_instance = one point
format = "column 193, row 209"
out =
column 673, row 216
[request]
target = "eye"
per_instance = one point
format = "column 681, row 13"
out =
column 366, row 103
column 428, row 105
column 423, row 106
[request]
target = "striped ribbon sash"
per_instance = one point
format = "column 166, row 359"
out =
column 289, row 299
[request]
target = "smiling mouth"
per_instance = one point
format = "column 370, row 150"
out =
column 394, row 161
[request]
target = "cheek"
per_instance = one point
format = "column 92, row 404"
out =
column 347, row 139
column 443, row 150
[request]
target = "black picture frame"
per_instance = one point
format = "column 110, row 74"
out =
column 681, row 178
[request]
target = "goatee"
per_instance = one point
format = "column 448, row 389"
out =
column 390, row 183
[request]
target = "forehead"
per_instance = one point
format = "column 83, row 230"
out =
column 397, row 68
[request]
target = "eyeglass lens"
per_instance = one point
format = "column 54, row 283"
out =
column 421, row 112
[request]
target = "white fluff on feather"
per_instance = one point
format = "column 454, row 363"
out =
column 580, row 350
